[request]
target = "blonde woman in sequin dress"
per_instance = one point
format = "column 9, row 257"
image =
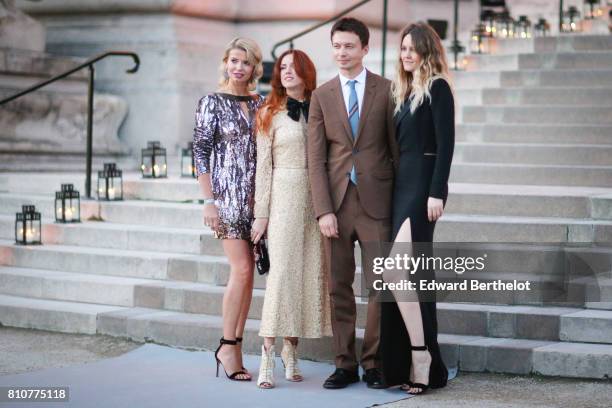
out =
column 225, row 156
column 296, row 302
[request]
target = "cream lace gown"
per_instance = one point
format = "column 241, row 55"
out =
column 296, row 303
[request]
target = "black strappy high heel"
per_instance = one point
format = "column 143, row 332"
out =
column 410, row 384
column 232, row 376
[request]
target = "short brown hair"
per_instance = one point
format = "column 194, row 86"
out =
column 352, row 25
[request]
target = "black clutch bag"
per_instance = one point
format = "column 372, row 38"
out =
column 262, row 259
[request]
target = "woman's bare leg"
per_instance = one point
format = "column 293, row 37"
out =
column 239, row 289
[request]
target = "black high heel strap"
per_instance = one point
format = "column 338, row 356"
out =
column 239, row 339
column 418, row 348
column 229, row 342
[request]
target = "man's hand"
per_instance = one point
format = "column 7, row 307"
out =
column 435, row 208
column 328, row 224
column 258, row 229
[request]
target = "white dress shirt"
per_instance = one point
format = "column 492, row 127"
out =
column 359, row 88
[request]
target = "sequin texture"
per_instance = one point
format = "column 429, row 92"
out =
column 224, row 145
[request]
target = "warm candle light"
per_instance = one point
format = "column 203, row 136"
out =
column 111, row 193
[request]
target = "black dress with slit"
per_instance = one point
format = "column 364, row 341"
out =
column 426, row 141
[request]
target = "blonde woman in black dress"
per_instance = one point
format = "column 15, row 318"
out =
column 425, row 131
column 225, row 156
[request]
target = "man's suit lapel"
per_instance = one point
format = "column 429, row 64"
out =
column 368, row 101
column 336, row 91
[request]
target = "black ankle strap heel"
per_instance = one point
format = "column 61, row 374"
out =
column 232, row 376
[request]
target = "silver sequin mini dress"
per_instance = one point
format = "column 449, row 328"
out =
column 224, row 146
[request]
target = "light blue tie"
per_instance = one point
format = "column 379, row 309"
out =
column 353, row 116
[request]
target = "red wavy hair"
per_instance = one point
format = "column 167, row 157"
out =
column 277, row 98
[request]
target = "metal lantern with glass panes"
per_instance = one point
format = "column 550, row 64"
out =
column 504, row 25
column 592, row 9
column 522, row 28
column 153, row 163
column 110, row 183
column 479, row 43
column 571, row 20
column 541, row 28
column 487, row 19
column 67, row 204
column 457, row 59
column 28, row 226
column 187, row 162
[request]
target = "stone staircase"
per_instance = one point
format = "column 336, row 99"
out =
column 532, row 164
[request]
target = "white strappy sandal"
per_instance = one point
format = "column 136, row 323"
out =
column 290, row 361
column 265, row 379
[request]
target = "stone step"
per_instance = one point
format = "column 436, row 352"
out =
column 542, row 61
column 526, row 322
column 483, row 228
column 173, row 188
column 534, row 133
column 532, row 174
column 528, row 201
column 533, row 153
column 476, row 80
column 538, row 114
column 123, row 236
column 569, row 43
column 452, row 227
column 533, row 78
column 559, row 78
column 22, row 161
column 536, row 96
column 40, row 314
column 464, row 198
column 516, row 96
column 120, row 262
column 469, row 353
column 114, row 262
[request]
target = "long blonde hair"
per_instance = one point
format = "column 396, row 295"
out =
column 433, row 65
column 254, row 57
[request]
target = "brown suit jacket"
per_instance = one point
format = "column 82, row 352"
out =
column 332, row 151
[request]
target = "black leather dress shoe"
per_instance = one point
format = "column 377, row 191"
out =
column 340, row 379
column 373, row 377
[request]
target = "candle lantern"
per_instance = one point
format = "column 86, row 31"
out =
column 28, row 226
column 110, row 183
column 487, row 19
column 457, row 60
column 592, row 9
column 522, row 27
column 153, row 162
column 571, row 20
column 542, row 28
column 504, row 25
column 479, row 43
column 187, row 162
column 67, row 204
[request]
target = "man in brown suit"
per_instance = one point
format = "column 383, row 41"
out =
column 351, row 147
